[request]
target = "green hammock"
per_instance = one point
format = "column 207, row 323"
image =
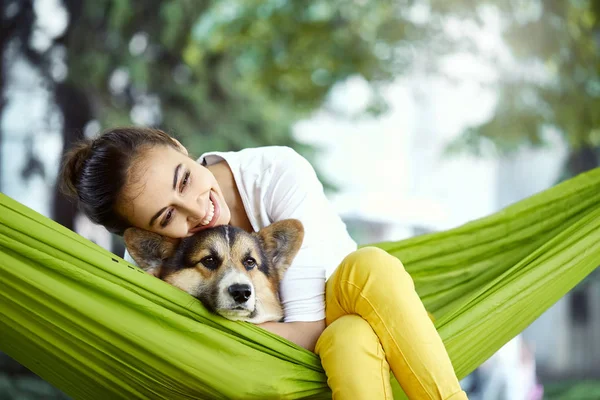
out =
column 98, row 328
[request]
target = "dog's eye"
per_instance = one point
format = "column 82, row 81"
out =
column 210, row 262
column 249, row 262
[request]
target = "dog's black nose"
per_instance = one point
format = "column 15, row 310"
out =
column 240, row 292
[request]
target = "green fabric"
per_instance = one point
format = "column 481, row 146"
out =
column 98, row 328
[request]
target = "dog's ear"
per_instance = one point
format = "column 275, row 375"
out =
column 281, row 241
column 149, row 249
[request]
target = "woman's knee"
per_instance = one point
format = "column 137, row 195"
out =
column 372, row 261
column 365, row 278
column 345, row 335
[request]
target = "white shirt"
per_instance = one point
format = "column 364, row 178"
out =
column 277, row 183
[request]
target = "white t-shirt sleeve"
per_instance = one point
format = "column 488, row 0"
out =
column 296, row 192
column 127, row 257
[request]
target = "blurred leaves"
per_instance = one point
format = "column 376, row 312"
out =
column 553, row 81
column 231, row 74
column 228, row 74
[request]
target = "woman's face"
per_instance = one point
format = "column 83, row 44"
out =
column 169, row 193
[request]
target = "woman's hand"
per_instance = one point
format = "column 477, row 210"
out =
column 304, row 334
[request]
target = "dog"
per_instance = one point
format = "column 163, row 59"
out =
column 234, row 273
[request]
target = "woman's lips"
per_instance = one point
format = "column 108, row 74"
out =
column 214, row 219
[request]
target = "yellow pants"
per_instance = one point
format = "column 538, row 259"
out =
column 376, row 320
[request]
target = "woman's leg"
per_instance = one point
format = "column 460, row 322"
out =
column 375, row 286
column 354, row 360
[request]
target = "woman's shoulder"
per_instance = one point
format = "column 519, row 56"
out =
column 263, row 159
column 283, row 162
column 271, row 154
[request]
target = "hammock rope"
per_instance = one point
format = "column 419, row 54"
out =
column 98, row 328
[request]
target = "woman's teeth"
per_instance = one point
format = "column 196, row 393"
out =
column 210, row 215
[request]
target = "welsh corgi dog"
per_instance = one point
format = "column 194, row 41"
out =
column 232, row 272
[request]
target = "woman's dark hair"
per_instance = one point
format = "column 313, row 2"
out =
column 95, row 170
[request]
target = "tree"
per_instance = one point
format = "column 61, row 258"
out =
column 554, row 85
column 225, row 75
column 219, row 75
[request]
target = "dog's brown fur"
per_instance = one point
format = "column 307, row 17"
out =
column 211, row 263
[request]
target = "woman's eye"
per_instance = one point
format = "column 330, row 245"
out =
column 249, row 263
column 185, row 180
column 167, row 218
column 210, row 262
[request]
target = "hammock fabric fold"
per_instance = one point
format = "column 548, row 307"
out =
column 98, row 328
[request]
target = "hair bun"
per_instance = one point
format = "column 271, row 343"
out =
column 73, row 163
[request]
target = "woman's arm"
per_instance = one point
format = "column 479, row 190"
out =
column 304, row 334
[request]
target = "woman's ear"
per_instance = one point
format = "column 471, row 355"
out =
column 180, row 146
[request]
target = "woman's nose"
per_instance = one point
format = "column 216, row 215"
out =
column 193, row 208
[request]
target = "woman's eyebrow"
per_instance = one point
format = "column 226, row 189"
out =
column 176, row 176
column 156, row 216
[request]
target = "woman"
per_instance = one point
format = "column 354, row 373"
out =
column 357, row 309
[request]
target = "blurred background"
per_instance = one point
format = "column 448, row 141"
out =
column 418, row 116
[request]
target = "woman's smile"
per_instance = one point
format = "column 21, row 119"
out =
column 211, row 215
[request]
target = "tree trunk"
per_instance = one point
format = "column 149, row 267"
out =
column 76, row 110
column 582, row 159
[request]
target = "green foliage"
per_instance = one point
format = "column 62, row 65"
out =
column 556, row 81
column 572, row 390
column 228, row 74
column 231, row 74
